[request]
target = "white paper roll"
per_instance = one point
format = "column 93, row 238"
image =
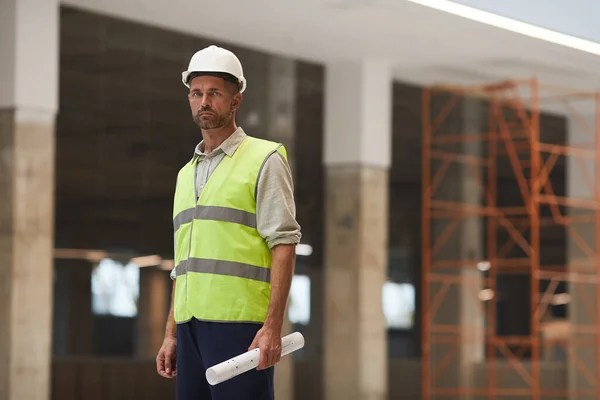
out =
column 249, row 360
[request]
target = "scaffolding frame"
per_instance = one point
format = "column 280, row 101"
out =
column 519, row 141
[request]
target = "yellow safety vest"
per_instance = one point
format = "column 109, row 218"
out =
column 223, row 265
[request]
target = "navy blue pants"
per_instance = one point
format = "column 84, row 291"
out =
column 200, row 345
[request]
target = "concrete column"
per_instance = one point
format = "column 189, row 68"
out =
column 582, row 309
column 152, row 311
column 281, row 121
column 460, row 306
column 281, row 105
column 358, row 104
column 28, row 104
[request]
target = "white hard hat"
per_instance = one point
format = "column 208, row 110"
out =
column 215, row 59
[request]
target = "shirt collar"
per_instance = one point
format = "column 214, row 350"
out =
column 229, row 146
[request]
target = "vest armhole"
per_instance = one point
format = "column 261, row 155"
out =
column 282, row 150
column 276, row 150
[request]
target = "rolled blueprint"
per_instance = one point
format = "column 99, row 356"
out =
column 249, row 360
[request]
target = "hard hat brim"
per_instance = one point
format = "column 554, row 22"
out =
column 186, row 74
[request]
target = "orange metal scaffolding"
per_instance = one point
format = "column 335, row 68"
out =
column 512, row 142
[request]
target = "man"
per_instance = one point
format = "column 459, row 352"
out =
column 235, row 240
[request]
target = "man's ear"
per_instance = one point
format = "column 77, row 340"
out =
column 236, row 102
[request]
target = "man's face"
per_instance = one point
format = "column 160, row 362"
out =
column 212, row 101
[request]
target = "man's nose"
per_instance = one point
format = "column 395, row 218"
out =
column 204, row 103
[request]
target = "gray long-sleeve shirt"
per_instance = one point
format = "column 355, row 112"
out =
column 275, row 205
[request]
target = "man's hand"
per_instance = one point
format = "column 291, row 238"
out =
column 166, row 360
column 268, row 340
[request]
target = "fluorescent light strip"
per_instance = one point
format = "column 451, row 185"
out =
column 512, row 25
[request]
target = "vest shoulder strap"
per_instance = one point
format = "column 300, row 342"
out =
column 266, row 147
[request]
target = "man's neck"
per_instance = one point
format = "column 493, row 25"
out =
column 213, row 138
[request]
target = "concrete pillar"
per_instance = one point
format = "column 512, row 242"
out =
column 582, row 309
column 358, row 105
column 460, row 307
column 281, row 122
column 152, row 311
column 28, row 104
column 281, row 105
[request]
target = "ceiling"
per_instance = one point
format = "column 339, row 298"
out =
column 425, row 46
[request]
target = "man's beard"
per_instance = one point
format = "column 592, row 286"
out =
column 212, row 120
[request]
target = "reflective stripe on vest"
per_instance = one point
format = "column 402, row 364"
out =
column 221, row 267
column 215, row 213
column 223, row 264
